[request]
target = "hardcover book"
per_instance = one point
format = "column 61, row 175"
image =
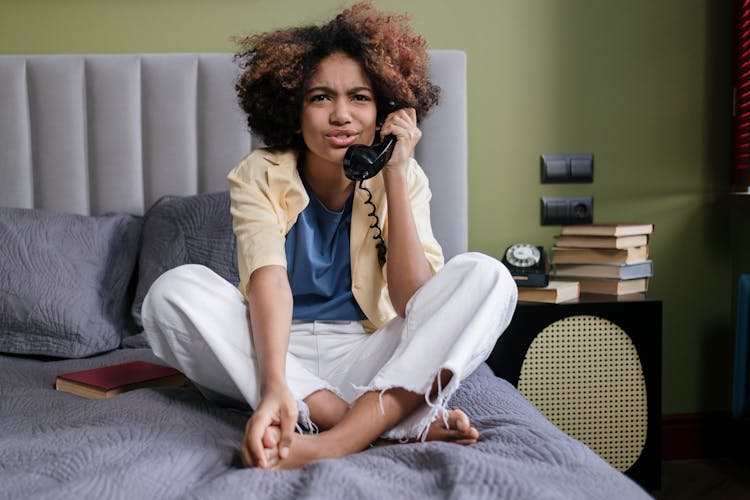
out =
column 608, row 229
column 606, row 286
column 562, row 255
column 555, row 292
column 618, row 271
column 108, row 381
column 577, row 241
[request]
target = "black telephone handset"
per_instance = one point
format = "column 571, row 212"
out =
column 362, row 162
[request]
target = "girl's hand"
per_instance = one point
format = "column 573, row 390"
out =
column 277, row 408
column 403, row 124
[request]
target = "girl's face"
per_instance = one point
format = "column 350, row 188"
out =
column 338, row 110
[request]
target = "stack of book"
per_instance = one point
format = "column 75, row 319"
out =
column 605, row 258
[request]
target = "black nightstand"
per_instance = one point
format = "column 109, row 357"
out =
column 593, row 367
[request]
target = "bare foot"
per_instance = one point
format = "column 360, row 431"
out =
column 303, row 449
column 308, row 448
column 459, row 429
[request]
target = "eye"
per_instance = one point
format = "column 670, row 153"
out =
column 361, row 98
column 319, row 98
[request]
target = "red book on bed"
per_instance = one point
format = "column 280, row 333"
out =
column 108, row 381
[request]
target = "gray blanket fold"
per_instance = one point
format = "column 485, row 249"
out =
column 169, row 443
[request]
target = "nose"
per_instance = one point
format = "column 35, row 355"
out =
column 340, row 113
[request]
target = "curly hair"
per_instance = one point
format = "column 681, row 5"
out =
column 277, row 66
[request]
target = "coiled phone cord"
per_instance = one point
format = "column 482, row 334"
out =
column 375, row 225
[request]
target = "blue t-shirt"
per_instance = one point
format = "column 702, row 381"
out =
column 319, row 263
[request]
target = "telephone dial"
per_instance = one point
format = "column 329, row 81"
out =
column 363, row 162
column 527, row 264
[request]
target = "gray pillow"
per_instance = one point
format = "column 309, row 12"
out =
column 186, row 230
column 64, row 281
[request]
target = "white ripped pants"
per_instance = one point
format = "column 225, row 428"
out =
column 197, row 322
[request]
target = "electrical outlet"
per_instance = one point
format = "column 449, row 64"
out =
column 559, row 210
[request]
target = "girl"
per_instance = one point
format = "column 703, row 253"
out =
column 348, row 330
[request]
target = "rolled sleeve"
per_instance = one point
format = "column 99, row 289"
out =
column 261, row 215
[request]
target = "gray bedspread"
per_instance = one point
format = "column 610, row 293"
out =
column 171, row 443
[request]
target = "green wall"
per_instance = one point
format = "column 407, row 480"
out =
column 642, row 84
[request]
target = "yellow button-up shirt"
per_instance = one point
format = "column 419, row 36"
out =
column 267, row 196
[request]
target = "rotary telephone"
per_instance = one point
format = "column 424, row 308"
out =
column 363, row 162
column 527, row 264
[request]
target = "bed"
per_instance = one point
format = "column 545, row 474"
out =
column 112, row 170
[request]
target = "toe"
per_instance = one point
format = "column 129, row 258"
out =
column 270, row 438
column 462, row 422
column 272, row 458
column 458, row 420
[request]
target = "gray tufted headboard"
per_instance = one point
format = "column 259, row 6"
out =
column 92, row 134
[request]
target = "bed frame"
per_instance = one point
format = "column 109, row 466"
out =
column 92, row 134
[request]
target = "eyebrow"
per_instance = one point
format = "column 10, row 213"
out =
column 329, row 90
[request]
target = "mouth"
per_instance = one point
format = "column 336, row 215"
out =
column 342, row 138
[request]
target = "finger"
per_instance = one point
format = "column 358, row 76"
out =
column 397, row 117
column 247, row 458
column 254, row 443
column 403, row 129
column 405, row 136
column 288, row 422
column 406, row 117
column 400, row 122
column 386, row 129
column 412, row 115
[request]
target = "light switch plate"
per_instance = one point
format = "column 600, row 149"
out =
column 567, row 168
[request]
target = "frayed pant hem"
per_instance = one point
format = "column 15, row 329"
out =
column 416, row 426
